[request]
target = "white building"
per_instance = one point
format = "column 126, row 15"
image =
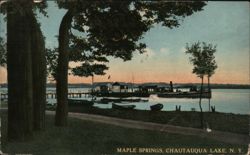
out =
column 119, row 88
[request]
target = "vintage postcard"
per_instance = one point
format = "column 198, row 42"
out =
column 124, row 77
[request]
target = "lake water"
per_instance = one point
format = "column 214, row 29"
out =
column 225, row 100
column 235, row 101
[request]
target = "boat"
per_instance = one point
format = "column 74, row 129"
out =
column 156, row 107
column 101, row 102
column 80, row 102
column 119, row 100
column 144, row 100
column 123, row 107
column 185, row 95
column 120, row 94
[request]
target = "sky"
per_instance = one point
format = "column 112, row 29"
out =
column 225, row 24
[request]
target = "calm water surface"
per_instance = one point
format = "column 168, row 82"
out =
column 225, row 100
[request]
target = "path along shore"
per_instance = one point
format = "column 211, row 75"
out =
column 216, row 135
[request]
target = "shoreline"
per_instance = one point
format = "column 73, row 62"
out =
column 235, row 123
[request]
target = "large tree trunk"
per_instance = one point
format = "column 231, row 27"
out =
column 39, row 74
column 201, row 113
column 20, row 84
column 62, row 71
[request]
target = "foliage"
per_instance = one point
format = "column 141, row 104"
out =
column 167, row 13
column 39, row 7
column 211, row 63
column 197, row 58
column 87, row 69
column 51, row 61
column 92, row 63
column 203, row 59
column 108, row 28
column 115, row 28
column 3, row 52
column 16, row 6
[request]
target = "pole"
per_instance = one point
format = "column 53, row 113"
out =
column 92, row 91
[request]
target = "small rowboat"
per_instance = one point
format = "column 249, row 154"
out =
column 123, row 107
column 72, row 102
column 156, row 107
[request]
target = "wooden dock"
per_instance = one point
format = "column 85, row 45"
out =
column 52, row 95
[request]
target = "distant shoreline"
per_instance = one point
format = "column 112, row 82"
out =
column 164, row 84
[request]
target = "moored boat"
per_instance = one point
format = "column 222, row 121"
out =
column 80, row 102
column 118, row 100
column 185, row 95
column 123, row 107
column 156, row 107
column 121, row 94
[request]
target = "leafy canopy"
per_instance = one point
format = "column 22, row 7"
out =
column 203, row 59
column 115, row 28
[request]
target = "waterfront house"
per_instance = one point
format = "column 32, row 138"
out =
column 103, row 87
column 153, row 88
column 148, row 88
column 119, row 87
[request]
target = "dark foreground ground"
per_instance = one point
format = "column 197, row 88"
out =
column 84, row 137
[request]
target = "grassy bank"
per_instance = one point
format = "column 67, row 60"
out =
column 83, row 137
column 216, row 121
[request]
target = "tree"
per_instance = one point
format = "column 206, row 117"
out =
column 62, row 70
column 202, row 57
column 87, row 69
column 19, row 70
column 92, row 63
column 26, row 70
column 112, row 29
column 211, row 64
column 198, row 59
column 38, row 73
column 51, row 61
column 210, row 61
